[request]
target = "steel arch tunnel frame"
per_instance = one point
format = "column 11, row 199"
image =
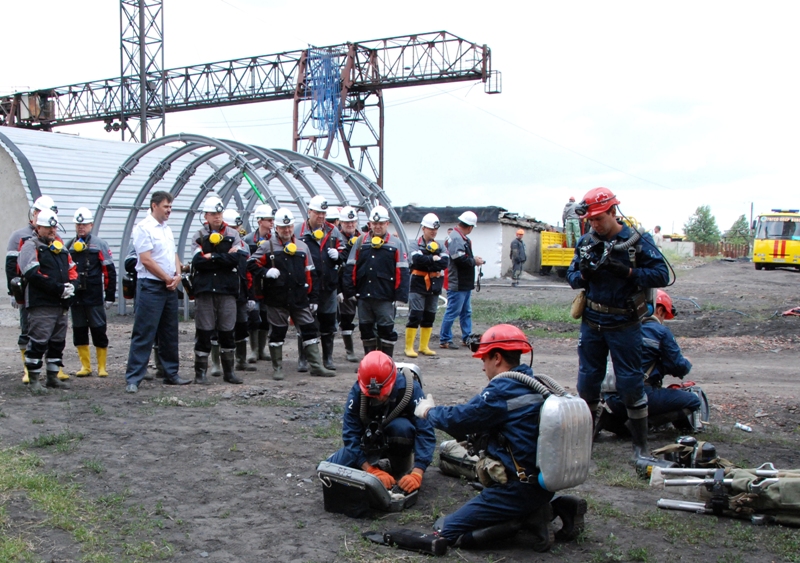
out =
column 281, row 177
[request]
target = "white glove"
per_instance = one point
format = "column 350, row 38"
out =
column 251, row 305
column 16, row 305
column 333, row 253
column 424, row 406
column 339, row 298
column 436, row 257
column 273, row 273
column 313, row 308
column 69, row 291
column 109, row 304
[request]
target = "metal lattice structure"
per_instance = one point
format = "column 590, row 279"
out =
column 142, row 91
column 366, row 69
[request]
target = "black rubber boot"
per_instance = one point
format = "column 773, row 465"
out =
column 252, row 354
column 638, row 428
column 327, row 351
column 302, row 361
column 227, row 360
column 538, row 524
column 33, row 382
column 387, row 347
column 370, row 345
column 241, row 357
column 349, row 351
column 216, row 368
column 571, row 510
column 484, row 537
column 276, row 355
column 200, row 369
column 315, row 361
column 53, row 381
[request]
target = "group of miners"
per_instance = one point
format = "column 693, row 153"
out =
column 248, row 286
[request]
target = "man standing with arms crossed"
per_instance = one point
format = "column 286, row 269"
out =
column 156, row 310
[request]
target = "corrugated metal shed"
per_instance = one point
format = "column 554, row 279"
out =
column 114, row 179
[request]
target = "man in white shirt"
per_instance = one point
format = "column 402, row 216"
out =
column 156, row 310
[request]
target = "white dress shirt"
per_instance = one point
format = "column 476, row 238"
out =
column 150, row 235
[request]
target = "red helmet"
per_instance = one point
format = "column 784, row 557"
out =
column 376, row 375
column 665, row 301
column 597, row 201
column 505, row 337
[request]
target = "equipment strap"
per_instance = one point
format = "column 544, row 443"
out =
column 427, row 276
column 600, row 308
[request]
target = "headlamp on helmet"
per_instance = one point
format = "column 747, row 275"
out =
column 82, row 216
column 348, row 213
column 47, row 218
column 232, row 217
column 213, row 204
column 318, row 203
column 263, row 211
column 503, row 336
column 430, row 221
column 45, row 202
column 284, row 218
column 379, row 214
column 377, row 374
column 595, row 202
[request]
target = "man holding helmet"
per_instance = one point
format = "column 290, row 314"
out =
column 381, row 435
column 97, row 283
column 15, row 243
column 323, row 241
column 377, row 273
column 259, row 326
column 348, row 219
column 428, row 263
column 50, row 277
column 282, row 275
column 502, row 422
column 215, row 281
column 661, row 356
column 616, row 265
column 460, row 281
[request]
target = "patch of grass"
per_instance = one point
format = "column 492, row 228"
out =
column 638, row 554
column 332, row 430
column 16, row 549
column 611, row 472
column 63, row 441
column 493, row 312
column 785, row 543
column 233, row 448
column 729, row 558
column 98, row 410
column 244, row 473
column 37, row 421
column 602, row 508
column 93, row 465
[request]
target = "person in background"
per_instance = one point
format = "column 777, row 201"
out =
column 658, row 238
column 348, row 221
column 518, row 257
column 572, row 224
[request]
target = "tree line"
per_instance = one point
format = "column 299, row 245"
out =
column 702, row 228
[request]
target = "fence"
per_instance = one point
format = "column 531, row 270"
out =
column 722, row 248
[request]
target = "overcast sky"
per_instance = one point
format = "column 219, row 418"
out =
column 671, row 105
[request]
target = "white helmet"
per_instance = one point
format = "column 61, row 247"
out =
column 333, row 213
column 263, row 211
column 468, row 218
column 431, row 221
column 47, row 218
column 378, row 214
column 83, row 216
column 45, row 202
column 318, row 203
column 284, row 218
column 348, row 213
column 213, row 204
column 232, row 217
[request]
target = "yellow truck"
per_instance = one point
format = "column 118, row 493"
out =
column 777, row 239
column 555, row 252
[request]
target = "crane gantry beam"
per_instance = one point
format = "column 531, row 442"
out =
column 366, row 68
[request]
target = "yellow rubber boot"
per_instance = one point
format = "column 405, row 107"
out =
column 86, row 361
column 25, row 379
column 411, row 335
column 102, row 354
column 62, row 375
column 424, row 339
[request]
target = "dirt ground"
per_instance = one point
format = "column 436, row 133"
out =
column 227, row 473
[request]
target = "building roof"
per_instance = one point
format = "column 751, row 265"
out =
column 414, row 213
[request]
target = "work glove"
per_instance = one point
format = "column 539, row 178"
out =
column 586, row 270
column 386, row 479
column 333, row 253
column 273, row 273
column 251, row 305
column 436, row 257
column 411, row 482
column 313, row 308
column 424, row 405
column 617, row 268
column 109, row 304
column 16, row 305
column 339, row 298
column 69, row 291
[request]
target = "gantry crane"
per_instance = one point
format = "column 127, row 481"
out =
column 337, row 90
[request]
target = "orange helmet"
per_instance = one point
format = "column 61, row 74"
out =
column 520, row 232
column 665, row 301
column 596, row 201
column 376, row 375
column 505, row 337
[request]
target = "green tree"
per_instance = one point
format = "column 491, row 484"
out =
column 739, row 233
column 702, row 226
